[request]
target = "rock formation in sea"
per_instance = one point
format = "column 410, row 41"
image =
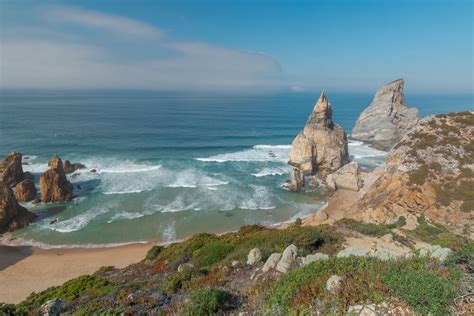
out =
column 387, row 119
column 320, row 148
column 11, row 170
column 25, row 191
column 12, row 214
column 430, row 172
column 71, row 167
column 54, row 185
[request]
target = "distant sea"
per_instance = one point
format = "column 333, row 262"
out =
column 170, row 165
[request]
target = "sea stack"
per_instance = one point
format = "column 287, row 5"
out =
column 387, row 119
column 11, row 170
column 12, row 214
column 54, row 185
column 320, row 148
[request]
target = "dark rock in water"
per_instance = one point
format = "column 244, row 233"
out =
column 12, row 214
column 54, row 221
column 387, row 119
column 71, row 167
column 296, row 180
column 25, row 191
column 11, row 170
column 93, row 170
column 54, row 185
column 321, row 148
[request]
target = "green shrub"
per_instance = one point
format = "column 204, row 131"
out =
column 467, row 206
column 370, row 229
column 72, row 289
column 153, row 253
column 418, row 176
column 207, row 301
column 422, row 290
column 435, row 234
column 211, row 253
column 464, row 256
column 179, row 280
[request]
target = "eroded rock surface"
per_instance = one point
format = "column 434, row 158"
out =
column 387, row 119
column 54, row 185
column 321, row 148
column 12, row 214
column 11, row 170
column 25, row 191
column 347, row 177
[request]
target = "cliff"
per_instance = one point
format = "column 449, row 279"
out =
column 387, row 119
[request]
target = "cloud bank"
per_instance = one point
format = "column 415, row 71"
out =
column 99, row 50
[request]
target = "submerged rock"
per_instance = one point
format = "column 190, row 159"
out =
column 12, row 214
column 321, row 148
column 11, row 170
column 347, row 177
column 25, row 191
column 387, row 119
column 54, row 185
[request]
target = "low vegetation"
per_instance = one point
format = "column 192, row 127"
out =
column 377, row 230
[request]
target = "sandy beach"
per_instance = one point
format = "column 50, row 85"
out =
column 25, row 269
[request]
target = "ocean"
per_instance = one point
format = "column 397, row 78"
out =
column 172, row 164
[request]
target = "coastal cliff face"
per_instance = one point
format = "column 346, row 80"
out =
column 387, row 119
column 54, row 185
column 321, row 148
column 12, row 214
column 11, row 170
column 430, row 172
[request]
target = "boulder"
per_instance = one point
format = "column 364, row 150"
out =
column 315, row 257
column 383, row 254
column 436, row 251
column 347, row 177
column 52, row 307
column 185, row 267
column 11, row 170
column 296, row 180
column 25, row 191
column 387, row 119
column 54, row 185
column 71, row 167
column 287, row 260
column 12, row 214
column 271, row 262
column 254, row 256
column 321, row 148
column 363, row 310
column 353, row 251
column 333, row 284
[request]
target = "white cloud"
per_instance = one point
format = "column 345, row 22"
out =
column 48, row 62
column 112, row 23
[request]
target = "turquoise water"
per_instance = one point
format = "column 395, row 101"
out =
column 171, row 164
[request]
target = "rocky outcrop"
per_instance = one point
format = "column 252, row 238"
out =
column 387, row 119
column 25, row 191
column 321, row 148
column 71, row 167
column 12, row 214
column 11, row 170
column 254, row 256
column 430, row 172
column 296, row 180
column 347, row 177
column 54, row 185
column 288, row 258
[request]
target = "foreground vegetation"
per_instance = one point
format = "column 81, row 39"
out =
column 213, row 282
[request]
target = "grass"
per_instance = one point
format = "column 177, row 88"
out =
column 212, row 253
column 371, row 229
column 207, row 301
column 436, row 234
column 364, row 280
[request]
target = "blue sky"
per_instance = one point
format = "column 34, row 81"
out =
column 238, row 45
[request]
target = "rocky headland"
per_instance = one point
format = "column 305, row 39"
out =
column 320, row 148
column 387, row 119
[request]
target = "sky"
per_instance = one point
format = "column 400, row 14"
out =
column 241, row 45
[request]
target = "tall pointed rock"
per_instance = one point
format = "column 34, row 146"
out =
column 321, row 147
column 387, row 119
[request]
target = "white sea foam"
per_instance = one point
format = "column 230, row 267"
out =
column 35, row 167
column 359, row 150
column 277, row 171
column 192, row 178
column 258, row 153
column 125, row 216
column 169, row 233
